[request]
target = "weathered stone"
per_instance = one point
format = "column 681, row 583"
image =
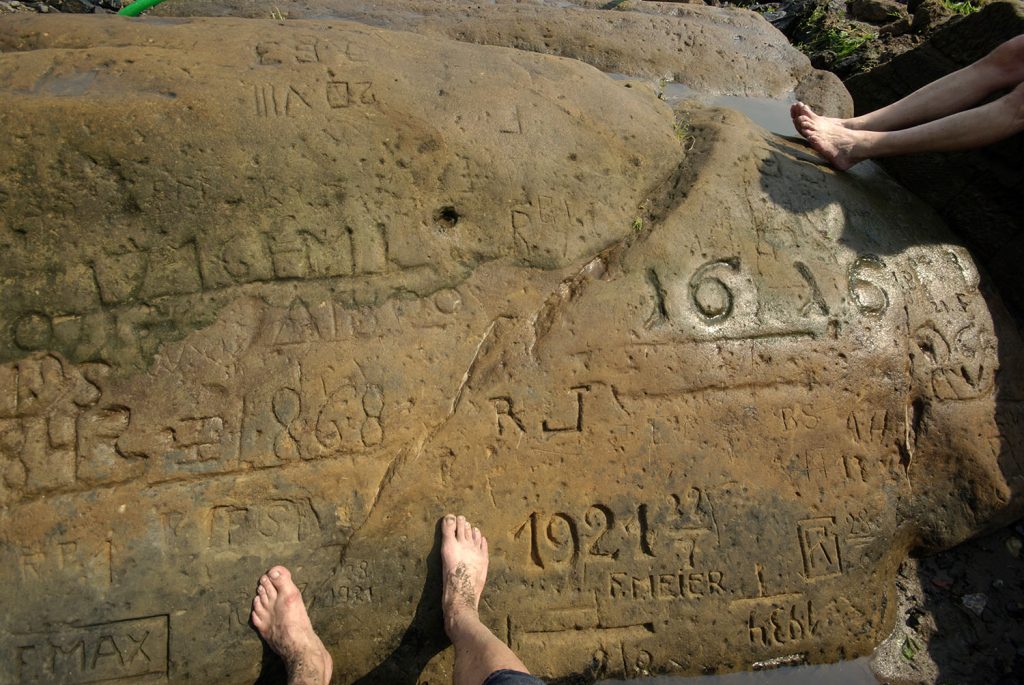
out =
column 76, row 6
column 896, row 28
column 877, row 11
column 317, row 284
column 928, row 15
column 712, row 50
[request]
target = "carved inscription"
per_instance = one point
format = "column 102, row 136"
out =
column 351, row 585
column 80, row 560
column 827, row 468
column 292, row 100
column 88, row 654
column 568, row 417
column 819, row 547
column 956, row 367
column 709, row 294
column 54, row 431
column 269, row 523
column 779, row 625
column 572, row 424
column 868, row 426
column 667, row 527
column 541, row 225
column 304, row 50
column 866, row 291
column 344, row 416
column 681, row 584
column 716, row 289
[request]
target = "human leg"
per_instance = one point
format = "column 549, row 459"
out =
column 842, row 147
column 478, row 653
column 280, row 618
column 999, row 69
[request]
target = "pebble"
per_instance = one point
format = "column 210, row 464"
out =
column 1013, row 546
column 975, row 602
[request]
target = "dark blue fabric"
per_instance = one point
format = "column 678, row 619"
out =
column 506, row 677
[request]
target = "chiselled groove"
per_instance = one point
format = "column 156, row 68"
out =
column 647, row 627
column 545, row 318
column 715, row 388
column 816, row 299
column 469, row 369
column 660, row 313
column 405, row 455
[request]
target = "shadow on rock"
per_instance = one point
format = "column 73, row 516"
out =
column 425, row 636
column 963, row 445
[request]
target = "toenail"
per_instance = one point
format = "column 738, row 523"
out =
column 275, row 574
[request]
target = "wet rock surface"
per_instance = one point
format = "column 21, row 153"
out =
column 319, row 283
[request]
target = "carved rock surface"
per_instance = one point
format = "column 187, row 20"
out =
column 289, row 292
column 709, row 49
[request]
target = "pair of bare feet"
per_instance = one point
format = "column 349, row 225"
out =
column 838, row 141
column 942, row 116
column 280, row 617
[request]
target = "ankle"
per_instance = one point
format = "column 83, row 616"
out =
column 309, row 670
column 460, row 620
column 307, row 665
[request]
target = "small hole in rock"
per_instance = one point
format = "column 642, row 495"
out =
column 447, row 217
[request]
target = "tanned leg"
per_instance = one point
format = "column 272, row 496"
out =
column 281, row 619
column 938, row 102
column 478, row 653
column 842, row 147
column 1001, row 68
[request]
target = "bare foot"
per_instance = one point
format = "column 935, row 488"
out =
column 838, row 144
column 463, row 570
column 281, row 619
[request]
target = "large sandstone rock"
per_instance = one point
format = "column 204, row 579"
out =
column 288, row 292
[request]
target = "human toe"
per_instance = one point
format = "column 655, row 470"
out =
column 267, row 588
column 260, row 613
column 259, row 607
column 448, row 525
column 801, row 109
column 280, row 577
column 461, row 529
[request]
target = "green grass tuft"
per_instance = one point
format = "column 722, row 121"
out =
column 842, row 40
column 962, row 8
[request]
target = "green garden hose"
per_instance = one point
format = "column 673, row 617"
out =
column 138, row 7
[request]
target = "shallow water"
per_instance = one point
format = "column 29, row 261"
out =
column 767, row 113
column 854, row 672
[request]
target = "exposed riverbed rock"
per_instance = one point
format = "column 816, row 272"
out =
column 289, row 292
column 712, row 50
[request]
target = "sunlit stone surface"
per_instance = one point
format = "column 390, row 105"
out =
column 288, row 292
